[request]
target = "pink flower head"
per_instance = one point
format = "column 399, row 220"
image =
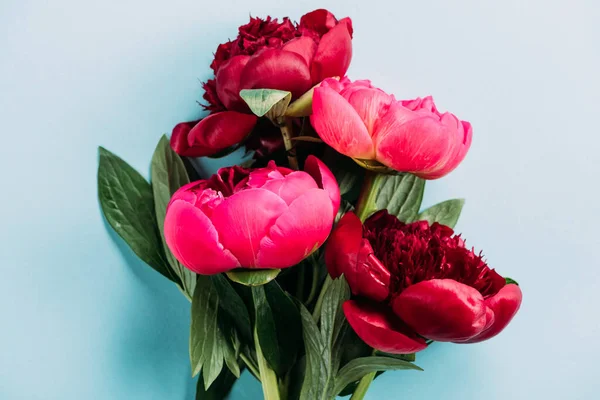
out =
column 416, row 281
column 266, row 54
column 269, row 217
column 365, row 123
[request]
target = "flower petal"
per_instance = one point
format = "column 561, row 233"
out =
column 370, row 104
column 228, row 83
column 442, row 310
column 194, row 241
column 244, row 219
column 504, row 305
column 319, row 21
column 179, row 140
column 333, row 55
column 304, row 46
column 325, row 179
column 291, row 186
column 298, row 232
column 339, row 125
column 349, row 254
column 219, row 131
column 277, row 69
column 381, row 329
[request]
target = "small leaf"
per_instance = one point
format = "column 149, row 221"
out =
column 317, row 370
column 359, row 367
column 233, row 305
column 168, row 174
column 219, row 389
column 400, row 194
column 510, row 280
column 253, row 277
column 268, row 103
column 127, row 203
column 333, row 321
column 445, row 213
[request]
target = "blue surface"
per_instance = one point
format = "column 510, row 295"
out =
column 83, row 319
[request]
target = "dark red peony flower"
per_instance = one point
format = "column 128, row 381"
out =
column 414, row 282
column 266, row 54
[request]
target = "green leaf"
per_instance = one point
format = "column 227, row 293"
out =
column 127, row 203
column 278, row 326
column 317, row 370
column 510, row 280
column 400, row 194
column 209, row 346
column 268, row 103
column 168, row 174
column 357, row 368
column 219, row 389
column 333, row 321
column 233, row 306
column 445, row 213
column 248, row 277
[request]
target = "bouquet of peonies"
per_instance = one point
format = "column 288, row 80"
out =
column 313, row 267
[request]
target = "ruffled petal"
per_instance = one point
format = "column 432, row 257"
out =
column 442, row 309
column 504, row 305
column 244, row 219
column 298, row 232
column 339, row 125
column 333, row 55
column 194, row 241
column 381, row 329
column 325, row 179
column 277, row 69
column 219, row 131
column 228, row 83
column 319, row 21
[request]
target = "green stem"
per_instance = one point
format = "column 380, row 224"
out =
column 317, row 311
column 363, row 386
column 253, row 368
column 268, row 378
column 287, row 131
column 366, row 200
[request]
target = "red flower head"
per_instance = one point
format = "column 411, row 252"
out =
column 414, row 282
column 266, row 54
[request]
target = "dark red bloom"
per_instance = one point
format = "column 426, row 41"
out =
column 414, row 282
column 266, row 54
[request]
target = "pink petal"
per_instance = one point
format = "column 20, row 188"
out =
column 370, row 104
column 304, row 46
column 442, row 310
column 339, row 125
column 292, row 186
column 381, row 329
column 333, row 55
column 325, row 179
column 219, row 131
column 228, row 83
column 298, row 232
column 194, row 241
column 277, row 69
column 244, row 219
column 504, row 305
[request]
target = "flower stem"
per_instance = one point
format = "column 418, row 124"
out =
column 287, row 131
column 253, row 368
column 366, row 200
column 268, row 378
column 363, row 386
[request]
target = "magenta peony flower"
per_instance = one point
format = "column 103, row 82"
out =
column 414, row 282
column 269, row 217
column 365, row 123
column 267, row 54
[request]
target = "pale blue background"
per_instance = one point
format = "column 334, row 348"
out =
column 81, row 318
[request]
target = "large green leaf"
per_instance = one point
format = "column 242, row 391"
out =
column 333, row 321
column 127, row 203
column 253, row 277
column 445, row 213
column 357, row 368
column 278, row 326
column 400, row 194
column 210, row 343
column 268, row 103
column 219, row 389
column 317, row 371
column 233, row 306
column 168, row 174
